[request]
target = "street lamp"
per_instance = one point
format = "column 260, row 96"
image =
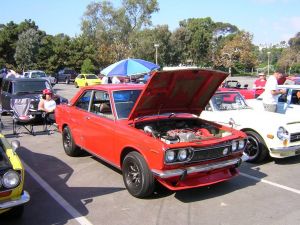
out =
column 268, row 62
column 156, row 47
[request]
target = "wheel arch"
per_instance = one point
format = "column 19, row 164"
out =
column 126, row 151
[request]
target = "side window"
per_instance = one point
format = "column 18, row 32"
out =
column 101, row 105
column 84, row 100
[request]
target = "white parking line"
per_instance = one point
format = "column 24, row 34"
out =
column 271, row 183
column 58, row 198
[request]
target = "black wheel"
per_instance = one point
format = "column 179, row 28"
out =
column 137, row 177
column 256, row 147
column 70, row 147
column 67, row 80
column 76, row 85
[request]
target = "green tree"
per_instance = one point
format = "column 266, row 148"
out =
column 27, row 48
column 87, row 66
column 9, row 35
column 111, row 29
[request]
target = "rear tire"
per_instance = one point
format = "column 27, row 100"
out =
column 76, row 85
column 256, row 147
column 137, row 177
column 71, row 149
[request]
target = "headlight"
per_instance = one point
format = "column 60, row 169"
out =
column 11, row 179
column 241, row 144
column 182, row 154
column 234, row 145
column 170, row 156
column 282, row 133
column 31, row 106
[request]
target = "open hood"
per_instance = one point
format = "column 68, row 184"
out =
column 177, row 91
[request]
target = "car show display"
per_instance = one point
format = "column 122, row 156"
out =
column 278, row 137
column 152, row 133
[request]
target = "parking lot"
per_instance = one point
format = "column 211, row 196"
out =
column 85, row 190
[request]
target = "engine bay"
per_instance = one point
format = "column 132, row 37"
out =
column 173, row 131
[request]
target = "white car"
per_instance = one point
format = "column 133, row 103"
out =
column 287, row 103
column 268, row 133
column 39, row 74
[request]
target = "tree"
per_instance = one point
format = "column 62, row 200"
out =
column 112, row 29
column 238, row 50
column 87, row 66
column 27, row 48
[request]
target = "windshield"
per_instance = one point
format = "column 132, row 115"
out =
column 124, row 101
column 228, row 101
column 38, row 74
column 31, row 87
column 91, row 76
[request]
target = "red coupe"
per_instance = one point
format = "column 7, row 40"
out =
column 234, row 85
column 153, row 132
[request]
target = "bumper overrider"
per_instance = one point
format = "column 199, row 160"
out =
column 164, row 174
column 10, row 203
column 282, row 152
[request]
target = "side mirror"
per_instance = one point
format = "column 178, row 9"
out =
column 15, row 145
column 246, row 86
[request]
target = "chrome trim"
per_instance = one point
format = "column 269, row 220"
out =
column 25, row 197
column 195, row 169
column 284, row 149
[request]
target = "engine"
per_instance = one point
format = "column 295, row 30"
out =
column 176, row 131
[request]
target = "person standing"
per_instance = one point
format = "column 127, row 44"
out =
column 272, row 92
column 259, row 84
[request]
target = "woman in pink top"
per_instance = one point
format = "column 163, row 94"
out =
column 259, row 84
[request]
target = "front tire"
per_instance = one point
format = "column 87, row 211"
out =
column 137, row 177
column 256, row 147
column 76, row 85
column 67, row 80
column 71, row 149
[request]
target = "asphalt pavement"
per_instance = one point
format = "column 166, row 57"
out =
column 84, row 190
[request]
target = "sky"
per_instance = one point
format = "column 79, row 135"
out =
column 270, row 21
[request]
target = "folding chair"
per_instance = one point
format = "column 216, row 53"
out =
column 49, row 121
column 21, row 115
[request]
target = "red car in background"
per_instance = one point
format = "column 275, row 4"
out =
column 234, row 85
column 153, row 132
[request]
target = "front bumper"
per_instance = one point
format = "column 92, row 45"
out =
column 282, row 152
column 10, row 203
column 164, row 174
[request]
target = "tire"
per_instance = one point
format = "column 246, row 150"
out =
column 137, row 177
column 256, row 147
column 67, row 81
column 71, row 149
column 76, row 85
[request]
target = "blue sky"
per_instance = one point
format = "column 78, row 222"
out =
column 270, row 21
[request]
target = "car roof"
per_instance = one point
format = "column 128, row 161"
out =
column 14, row 79
column 115, row 87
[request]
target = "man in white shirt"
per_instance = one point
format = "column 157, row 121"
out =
column 271, row 94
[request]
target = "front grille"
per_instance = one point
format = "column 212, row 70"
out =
column 295, row 137
column 215, row 152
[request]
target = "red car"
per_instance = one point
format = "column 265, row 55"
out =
column 234, row 85
column 153, row 132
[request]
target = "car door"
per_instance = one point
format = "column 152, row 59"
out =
column 283, row 102
column 80, row 111
column 100, row 127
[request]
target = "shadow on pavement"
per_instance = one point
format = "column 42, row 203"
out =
column 42, row 208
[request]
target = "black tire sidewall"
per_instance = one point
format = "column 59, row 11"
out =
column 72, row 150
column 263, row 150
column 147, row 180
